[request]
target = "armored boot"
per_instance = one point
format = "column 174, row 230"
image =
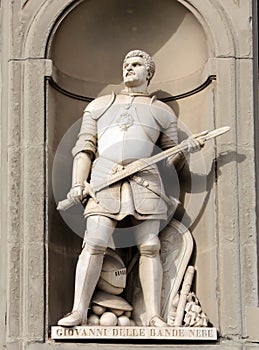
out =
column 87, row 275
column 150, row 273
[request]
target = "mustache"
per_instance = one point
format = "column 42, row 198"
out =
column 129, row 73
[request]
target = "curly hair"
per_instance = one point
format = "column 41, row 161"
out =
column 150, row 64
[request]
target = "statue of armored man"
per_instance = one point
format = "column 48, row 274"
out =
column 117, row 133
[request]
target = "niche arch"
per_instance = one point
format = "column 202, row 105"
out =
column 49, row 16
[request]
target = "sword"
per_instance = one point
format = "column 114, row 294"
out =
column 140, row 164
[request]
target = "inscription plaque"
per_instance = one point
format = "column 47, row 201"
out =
column 97, row 332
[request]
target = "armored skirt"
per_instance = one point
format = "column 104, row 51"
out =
column 138, row 196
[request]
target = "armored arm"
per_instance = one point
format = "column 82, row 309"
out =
column 83, row 152
column 167, row 120
column 169, row 138
column 80, row 173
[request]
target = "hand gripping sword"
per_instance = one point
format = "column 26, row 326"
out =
column 140, row 164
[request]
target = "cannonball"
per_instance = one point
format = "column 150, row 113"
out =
column 128, row 314
column 93, row 320
column 108, row 319
column 117, row 312
column 98, row 309
column 132, row 323
column 123, row 321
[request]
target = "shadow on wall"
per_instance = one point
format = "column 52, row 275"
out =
column 91, row 42
column 95, row 36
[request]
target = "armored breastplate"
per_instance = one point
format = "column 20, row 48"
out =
column 127, row 131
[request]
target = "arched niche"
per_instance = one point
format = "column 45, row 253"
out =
column 88, row 57
column 87, row 49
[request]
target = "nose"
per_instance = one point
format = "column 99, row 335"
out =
column 129, row 66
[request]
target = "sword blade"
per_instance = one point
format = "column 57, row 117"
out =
column 216, row 132
column 141, row 164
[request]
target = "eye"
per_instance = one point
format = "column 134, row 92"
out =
column 136, row 64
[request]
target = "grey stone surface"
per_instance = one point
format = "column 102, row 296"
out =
column 78, row 346
column 228, row 223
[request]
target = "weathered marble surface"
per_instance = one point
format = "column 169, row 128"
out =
column 172, row 333
column 27, row 28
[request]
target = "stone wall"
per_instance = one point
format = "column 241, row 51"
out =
column 59, row 41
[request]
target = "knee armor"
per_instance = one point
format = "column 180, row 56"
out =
column 150, row 248
column 93, row 249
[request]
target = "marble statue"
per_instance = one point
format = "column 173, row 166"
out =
column 116, row 131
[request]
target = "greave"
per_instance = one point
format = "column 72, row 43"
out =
column 150, row 273
column 87, row 275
